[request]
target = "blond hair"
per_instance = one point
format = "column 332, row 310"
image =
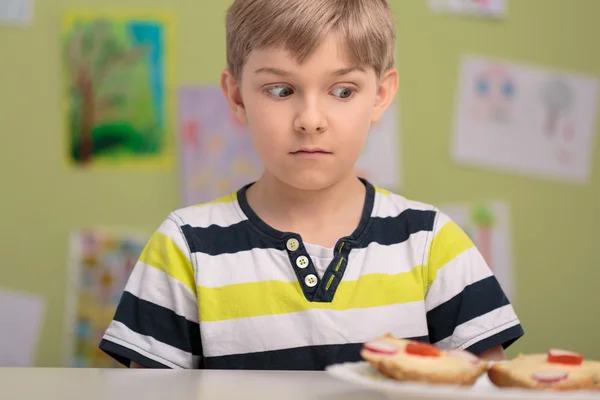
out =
column 367, row 27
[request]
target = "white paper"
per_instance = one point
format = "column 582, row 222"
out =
column 488, row 226
column 524, row 119
column 17, row 12
column 21, row 317
column 380, row 160
column 481, row 8
column 216, row 152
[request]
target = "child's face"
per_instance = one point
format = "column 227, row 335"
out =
column 309, row 121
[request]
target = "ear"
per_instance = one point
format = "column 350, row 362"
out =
column 386, row 91
column 233, row 95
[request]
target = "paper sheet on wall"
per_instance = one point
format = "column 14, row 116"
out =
column 101, row 261
column 16, row 12
column 481, row 8
column 117, row 74
column 524, row 119
column 380, row 159
column 488, row 226
column 217, row 155
column 21, row 318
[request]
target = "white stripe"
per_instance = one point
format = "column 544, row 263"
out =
column 465, row 269
column 243, row 267
column 171, row 229
column 154, row 285
column 392, row 259
column 480, row 328
column 149, row 347
column 258, row 265
column 312, row 328
column 220, row 214
column 393, row 205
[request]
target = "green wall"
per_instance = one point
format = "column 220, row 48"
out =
column 557, row 268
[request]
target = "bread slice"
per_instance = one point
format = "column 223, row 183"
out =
column 407, row 360
column 594, row 366
column 534, row 371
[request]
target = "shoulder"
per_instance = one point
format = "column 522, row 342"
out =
column 393, row 205
column 221, row 212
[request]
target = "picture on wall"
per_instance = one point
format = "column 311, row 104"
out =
column 476, row 8
column 380, row 160
column 488, row 226
column 525, row 119
column 116, row 82
column 100, row 263
column 216, row 154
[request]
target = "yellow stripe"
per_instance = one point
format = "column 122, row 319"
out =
column 162, row 253
column 329, row 282
column 230, row 198
column 337, row 267
column 277, row 297
column 382, row 191
column 449, row 242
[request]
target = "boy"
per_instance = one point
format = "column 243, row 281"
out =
column 298, row 269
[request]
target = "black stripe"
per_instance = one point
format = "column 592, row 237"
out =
column 393, row 230
column 310, row 358
column 125, row 355
column 504, row 338
column 215, row 240
column 162, row 324
column 475, row 300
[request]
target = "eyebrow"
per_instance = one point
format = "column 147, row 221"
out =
column 284, row 73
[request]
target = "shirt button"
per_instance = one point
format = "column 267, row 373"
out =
column 292, row 244
column 310, row 280
column 302, row 262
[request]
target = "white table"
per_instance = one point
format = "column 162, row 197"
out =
column 117, row 384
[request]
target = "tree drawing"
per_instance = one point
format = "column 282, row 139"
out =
column 557, row 98
column 484, row 221
column 102, row 68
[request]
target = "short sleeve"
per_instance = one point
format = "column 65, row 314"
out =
column 466, row 306
column 156, row 320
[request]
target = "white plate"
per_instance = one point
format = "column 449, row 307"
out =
column 362, row 374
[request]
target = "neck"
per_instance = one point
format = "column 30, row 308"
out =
column 290, row 209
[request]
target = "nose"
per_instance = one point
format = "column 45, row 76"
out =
column 310, row 118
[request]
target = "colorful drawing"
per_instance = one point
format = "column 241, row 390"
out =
column 525, row 119
column 484, row 220
column 480, row 8
column 216, row 152
column 116, row 87
column 494, row 95
column 101, row 262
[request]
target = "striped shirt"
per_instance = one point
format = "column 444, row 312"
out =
column 216, row 287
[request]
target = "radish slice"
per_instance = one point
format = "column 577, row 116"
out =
column 381, row 347
column 550, row 376
column 464, row 356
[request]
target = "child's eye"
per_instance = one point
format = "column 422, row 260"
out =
column 281, row 91
column 343, row 92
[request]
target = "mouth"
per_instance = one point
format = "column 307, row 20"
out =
column 311, row 152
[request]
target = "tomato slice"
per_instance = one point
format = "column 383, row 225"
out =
column 557, row 356
column 423, row 349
